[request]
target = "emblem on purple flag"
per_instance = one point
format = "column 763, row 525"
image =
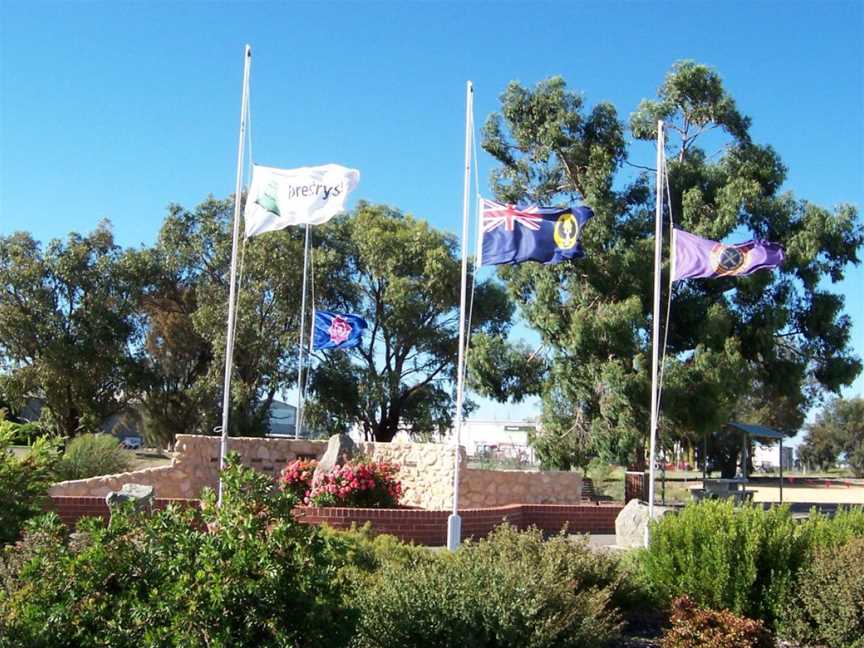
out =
column 694, row 257
column 337, row 330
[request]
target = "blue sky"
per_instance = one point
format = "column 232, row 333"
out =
column 118, row 109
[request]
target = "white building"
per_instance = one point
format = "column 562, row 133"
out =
column 768, row 456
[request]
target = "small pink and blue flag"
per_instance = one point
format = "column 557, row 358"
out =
column 337, row 330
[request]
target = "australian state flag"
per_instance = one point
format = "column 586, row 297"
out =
column 337, row 330
column 513, row 234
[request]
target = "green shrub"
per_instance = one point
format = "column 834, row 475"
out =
column 90, row 455
column 831, row 532
column 22, row 433
column 255, row 578
column 694, row 627
column 828, row 607
column 512, row 589
column 24, row 483
column 741, row 559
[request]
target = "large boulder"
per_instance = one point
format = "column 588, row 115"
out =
column 139, row 494
column 632, row 521
column 340, row 448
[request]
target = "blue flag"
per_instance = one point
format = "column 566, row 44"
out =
column 511, row 234
column 337, row 330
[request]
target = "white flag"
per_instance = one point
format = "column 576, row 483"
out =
column 308, row 195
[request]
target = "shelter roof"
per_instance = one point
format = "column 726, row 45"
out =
column 758, row 431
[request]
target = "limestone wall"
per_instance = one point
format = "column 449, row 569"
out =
column 196, row 465
column 425, row 470
column 485, row 488
column 426, row 473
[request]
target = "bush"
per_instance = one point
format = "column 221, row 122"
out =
column 256, row 578
column 512, row 589
column 22, row 433
column 741, row 559
column 90, row 455
column 24, row 483
column 296, row 478
column 359, row 484
column 828, row 608
column 693, row 627
column 824, row 532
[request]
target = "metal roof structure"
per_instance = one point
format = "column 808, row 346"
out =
column 758, row 431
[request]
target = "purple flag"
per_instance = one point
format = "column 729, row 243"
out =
column 693, row 257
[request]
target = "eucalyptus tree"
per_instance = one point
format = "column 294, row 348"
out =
column 69, row 327
column 404, row 278
column 194, row 253
column 836, row 432
column 768, row 345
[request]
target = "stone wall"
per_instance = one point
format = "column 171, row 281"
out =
column 425, row 470
column 196, row 465
column 426, row 473
column 484, row 488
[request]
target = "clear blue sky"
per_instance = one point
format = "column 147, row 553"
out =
column 117, row 109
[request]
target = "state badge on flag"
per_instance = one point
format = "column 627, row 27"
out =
column 337, row 330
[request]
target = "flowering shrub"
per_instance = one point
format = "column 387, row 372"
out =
column 296, row 478
column 359, row 484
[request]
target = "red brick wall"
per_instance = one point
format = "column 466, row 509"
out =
column 413, row 525
column 430, row 527
column 70, row 509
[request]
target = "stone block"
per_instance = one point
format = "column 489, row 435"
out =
column 632, row 521
column 141, row 495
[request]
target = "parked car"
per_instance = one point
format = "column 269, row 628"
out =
column 132, row 443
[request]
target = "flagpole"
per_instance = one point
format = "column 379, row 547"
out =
column 299, row 415
column 232, row 290
column 454, row 522
column 655, row 338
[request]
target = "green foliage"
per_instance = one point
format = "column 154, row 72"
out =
column 24, row 482
column 255, row 578
column 837, row 431
column 188, row 313
column 22, row 433
column 828, row 606
column 512, row 589
column 559, row 447
column 823, row 532
column 764, row 346
column 90, row 455
column 68, row 326
column 404, row 279
column 694, row 627
column 743, row 559
column 176, row 397
column 360, row 552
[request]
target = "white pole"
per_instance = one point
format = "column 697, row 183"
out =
column 229, row 338
column 655, row 338
column 299, row 415
column 454, row 522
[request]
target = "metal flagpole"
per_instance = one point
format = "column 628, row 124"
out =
column 655, row 338
column 232, row 290
column 454, row 522
column 299, row 414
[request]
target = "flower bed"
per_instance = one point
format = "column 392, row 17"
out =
column 355, row 484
